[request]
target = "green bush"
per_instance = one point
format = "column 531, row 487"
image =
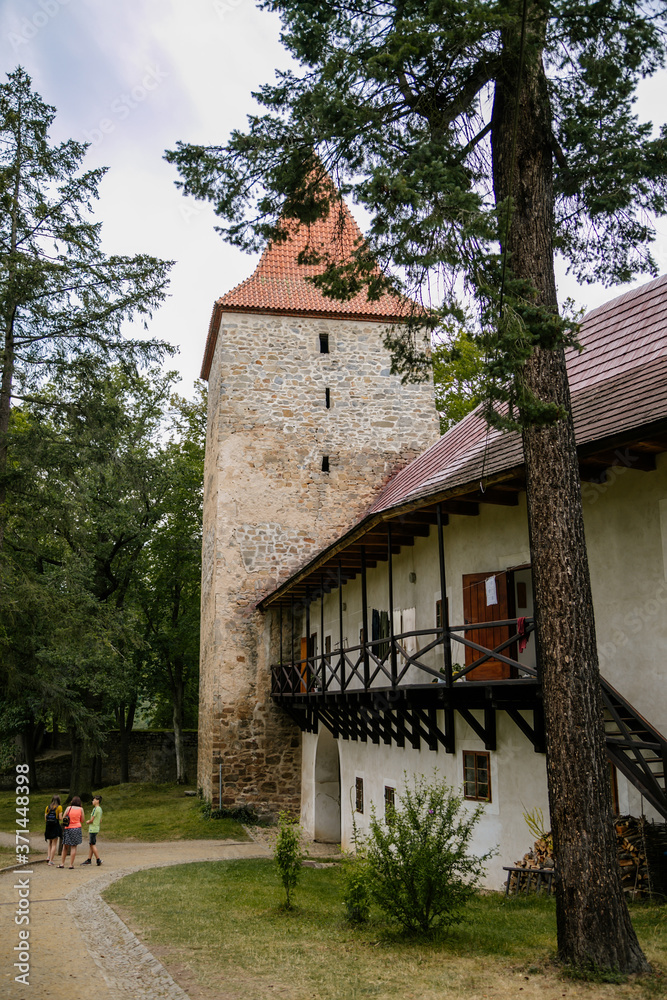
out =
column 417, row 865
column 355, row 891
column 242, row 814
column 288, row 854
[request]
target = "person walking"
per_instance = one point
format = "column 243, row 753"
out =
column 53, row 814
column 93, row 830
column 72, row 835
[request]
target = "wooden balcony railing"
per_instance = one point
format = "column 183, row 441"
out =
column 400, row 661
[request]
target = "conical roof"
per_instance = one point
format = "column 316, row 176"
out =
column 279, row 286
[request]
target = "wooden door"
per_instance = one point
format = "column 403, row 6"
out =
column 308, row 650
column 475, row 609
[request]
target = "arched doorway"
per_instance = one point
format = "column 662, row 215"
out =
column 327, row 789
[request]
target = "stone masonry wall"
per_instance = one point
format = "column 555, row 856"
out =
column 269, row 507
column 152, row 757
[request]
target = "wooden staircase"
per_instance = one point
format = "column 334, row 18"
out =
column 637, row 749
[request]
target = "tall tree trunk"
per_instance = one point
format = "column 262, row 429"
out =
column 28, row 743
column 177, row 702
column 594, row 927
column 9, row 318
column 125, row 720
column 76, row 767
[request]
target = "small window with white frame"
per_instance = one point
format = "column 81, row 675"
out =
column 477, row 775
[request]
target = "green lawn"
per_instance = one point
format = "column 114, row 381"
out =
column 136, row 812
column 222, row 922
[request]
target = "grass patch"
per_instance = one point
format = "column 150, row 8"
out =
column 222, row 922
column 143, row 812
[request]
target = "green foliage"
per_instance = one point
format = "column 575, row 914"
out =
column 400, row 103
column 214, row 919
column 417, row 866
column 62, row 300
column 535, row 823
column 458, row 378
column 99, row 594
column 356, row 897
column 242, row 814
column 141, row 811
column 288, row 855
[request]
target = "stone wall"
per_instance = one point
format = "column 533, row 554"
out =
column 152, row 759
column 269, row 506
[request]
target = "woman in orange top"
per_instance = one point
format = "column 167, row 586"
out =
column 72, row 836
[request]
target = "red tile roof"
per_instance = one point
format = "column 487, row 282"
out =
column 279, row 285
column 618, row 382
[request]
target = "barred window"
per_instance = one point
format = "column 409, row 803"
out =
column 359, row 790
column 389, row 802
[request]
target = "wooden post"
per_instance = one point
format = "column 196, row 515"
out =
column 340, row 625
column 444, row 610
column 364, row 618
column 322, row 660
column 392, row 648
column 293, row 668
column 307, row 669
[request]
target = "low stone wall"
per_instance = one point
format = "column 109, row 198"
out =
column 152, row 758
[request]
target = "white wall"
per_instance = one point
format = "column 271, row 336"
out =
column 518, row 784
column 626, row 531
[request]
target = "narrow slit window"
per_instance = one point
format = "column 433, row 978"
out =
column 327, row 398
column 325, row 463
column 359, row 794
column 324, row 343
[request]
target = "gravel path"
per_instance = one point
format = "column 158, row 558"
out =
column 78, row 947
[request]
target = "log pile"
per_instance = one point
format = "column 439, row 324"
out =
column 641, row 851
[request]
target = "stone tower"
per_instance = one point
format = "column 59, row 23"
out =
column 305, row 423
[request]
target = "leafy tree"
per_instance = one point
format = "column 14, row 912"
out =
column 62, row 300
column 458, row 378
column 169, row 591
column 483, row 136
column 93, row 485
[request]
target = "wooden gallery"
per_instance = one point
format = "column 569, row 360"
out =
column 367, row 609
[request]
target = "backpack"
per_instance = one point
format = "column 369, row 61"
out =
column 51, row 816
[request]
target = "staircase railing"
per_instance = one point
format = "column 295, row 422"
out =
column 637, row 749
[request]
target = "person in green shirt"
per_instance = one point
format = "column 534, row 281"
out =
column 93, row 830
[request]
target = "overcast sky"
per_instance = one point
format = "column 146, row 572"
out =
column 132, row 77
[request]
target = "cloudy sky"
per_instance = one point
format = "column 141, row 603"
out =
column 132, row 77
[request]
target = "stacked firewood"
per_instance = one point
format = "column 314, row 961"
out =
column 642, row 853
column 541, row 858
column 642, row 850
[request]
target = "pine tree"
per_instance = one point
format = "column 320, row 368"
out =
column 62, row 300
column 484, row 136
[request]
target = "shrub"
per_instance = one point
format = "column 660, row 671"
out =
column 288, row 854
column 417, row 864
column 242, row 814
column 355, row 892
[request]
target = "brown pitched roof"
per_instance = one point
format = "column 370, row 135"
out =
column 618, row 382
column 279, row 285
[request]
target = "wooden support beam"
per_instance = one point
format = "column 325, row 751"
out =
column 450, row 732
column 503, row 498
column 530, row 732
column 470, row 509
